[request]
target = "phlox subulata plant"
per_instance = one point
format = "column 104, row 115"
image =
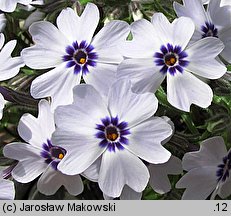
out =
column 115, row 99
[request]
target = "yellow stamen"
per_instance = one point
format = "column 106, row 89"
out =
column 82, row 60
column 112, row 136
column 61, row 156
column 171, row 61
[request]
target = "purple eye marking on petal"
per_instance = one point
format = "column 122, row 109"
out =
column 52, row 154
column 112, row 133
column 81, row 56
column 209, row 30
column 224, row 168
column 171, row 59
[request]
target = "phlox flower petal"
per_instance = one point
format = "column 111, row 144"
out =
column 51, row 180
column 199, row 183
column 211, row 153
column 7, row 190
column 2, row 103
column 9, row 66
column 197, row 92
column 10, row 5
column 159, row 174
column 2, row 22
column 126, row 194
column 118, row 169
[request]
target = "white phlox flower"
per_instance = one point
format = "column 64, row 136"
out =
column 2, row 103
column 2, row 21
column 159, row 50
column 7, row 191
column 223, row 2
column 9, row 67
column 10, row 5
column 39, row 155
column 73, row 52
column 30, row 7
column 37, row 2
column 112, row 136
column 208, row 171
column 215, row 21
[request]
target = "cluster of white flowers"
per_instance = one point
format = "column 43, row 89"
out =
column 104, row 129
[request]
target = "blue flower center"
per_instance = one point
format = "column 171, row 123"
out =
column 209, row 30
column 112, row 133
column 80, row 57
column 224, row 168
column 171, row 59
column 52, row 154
